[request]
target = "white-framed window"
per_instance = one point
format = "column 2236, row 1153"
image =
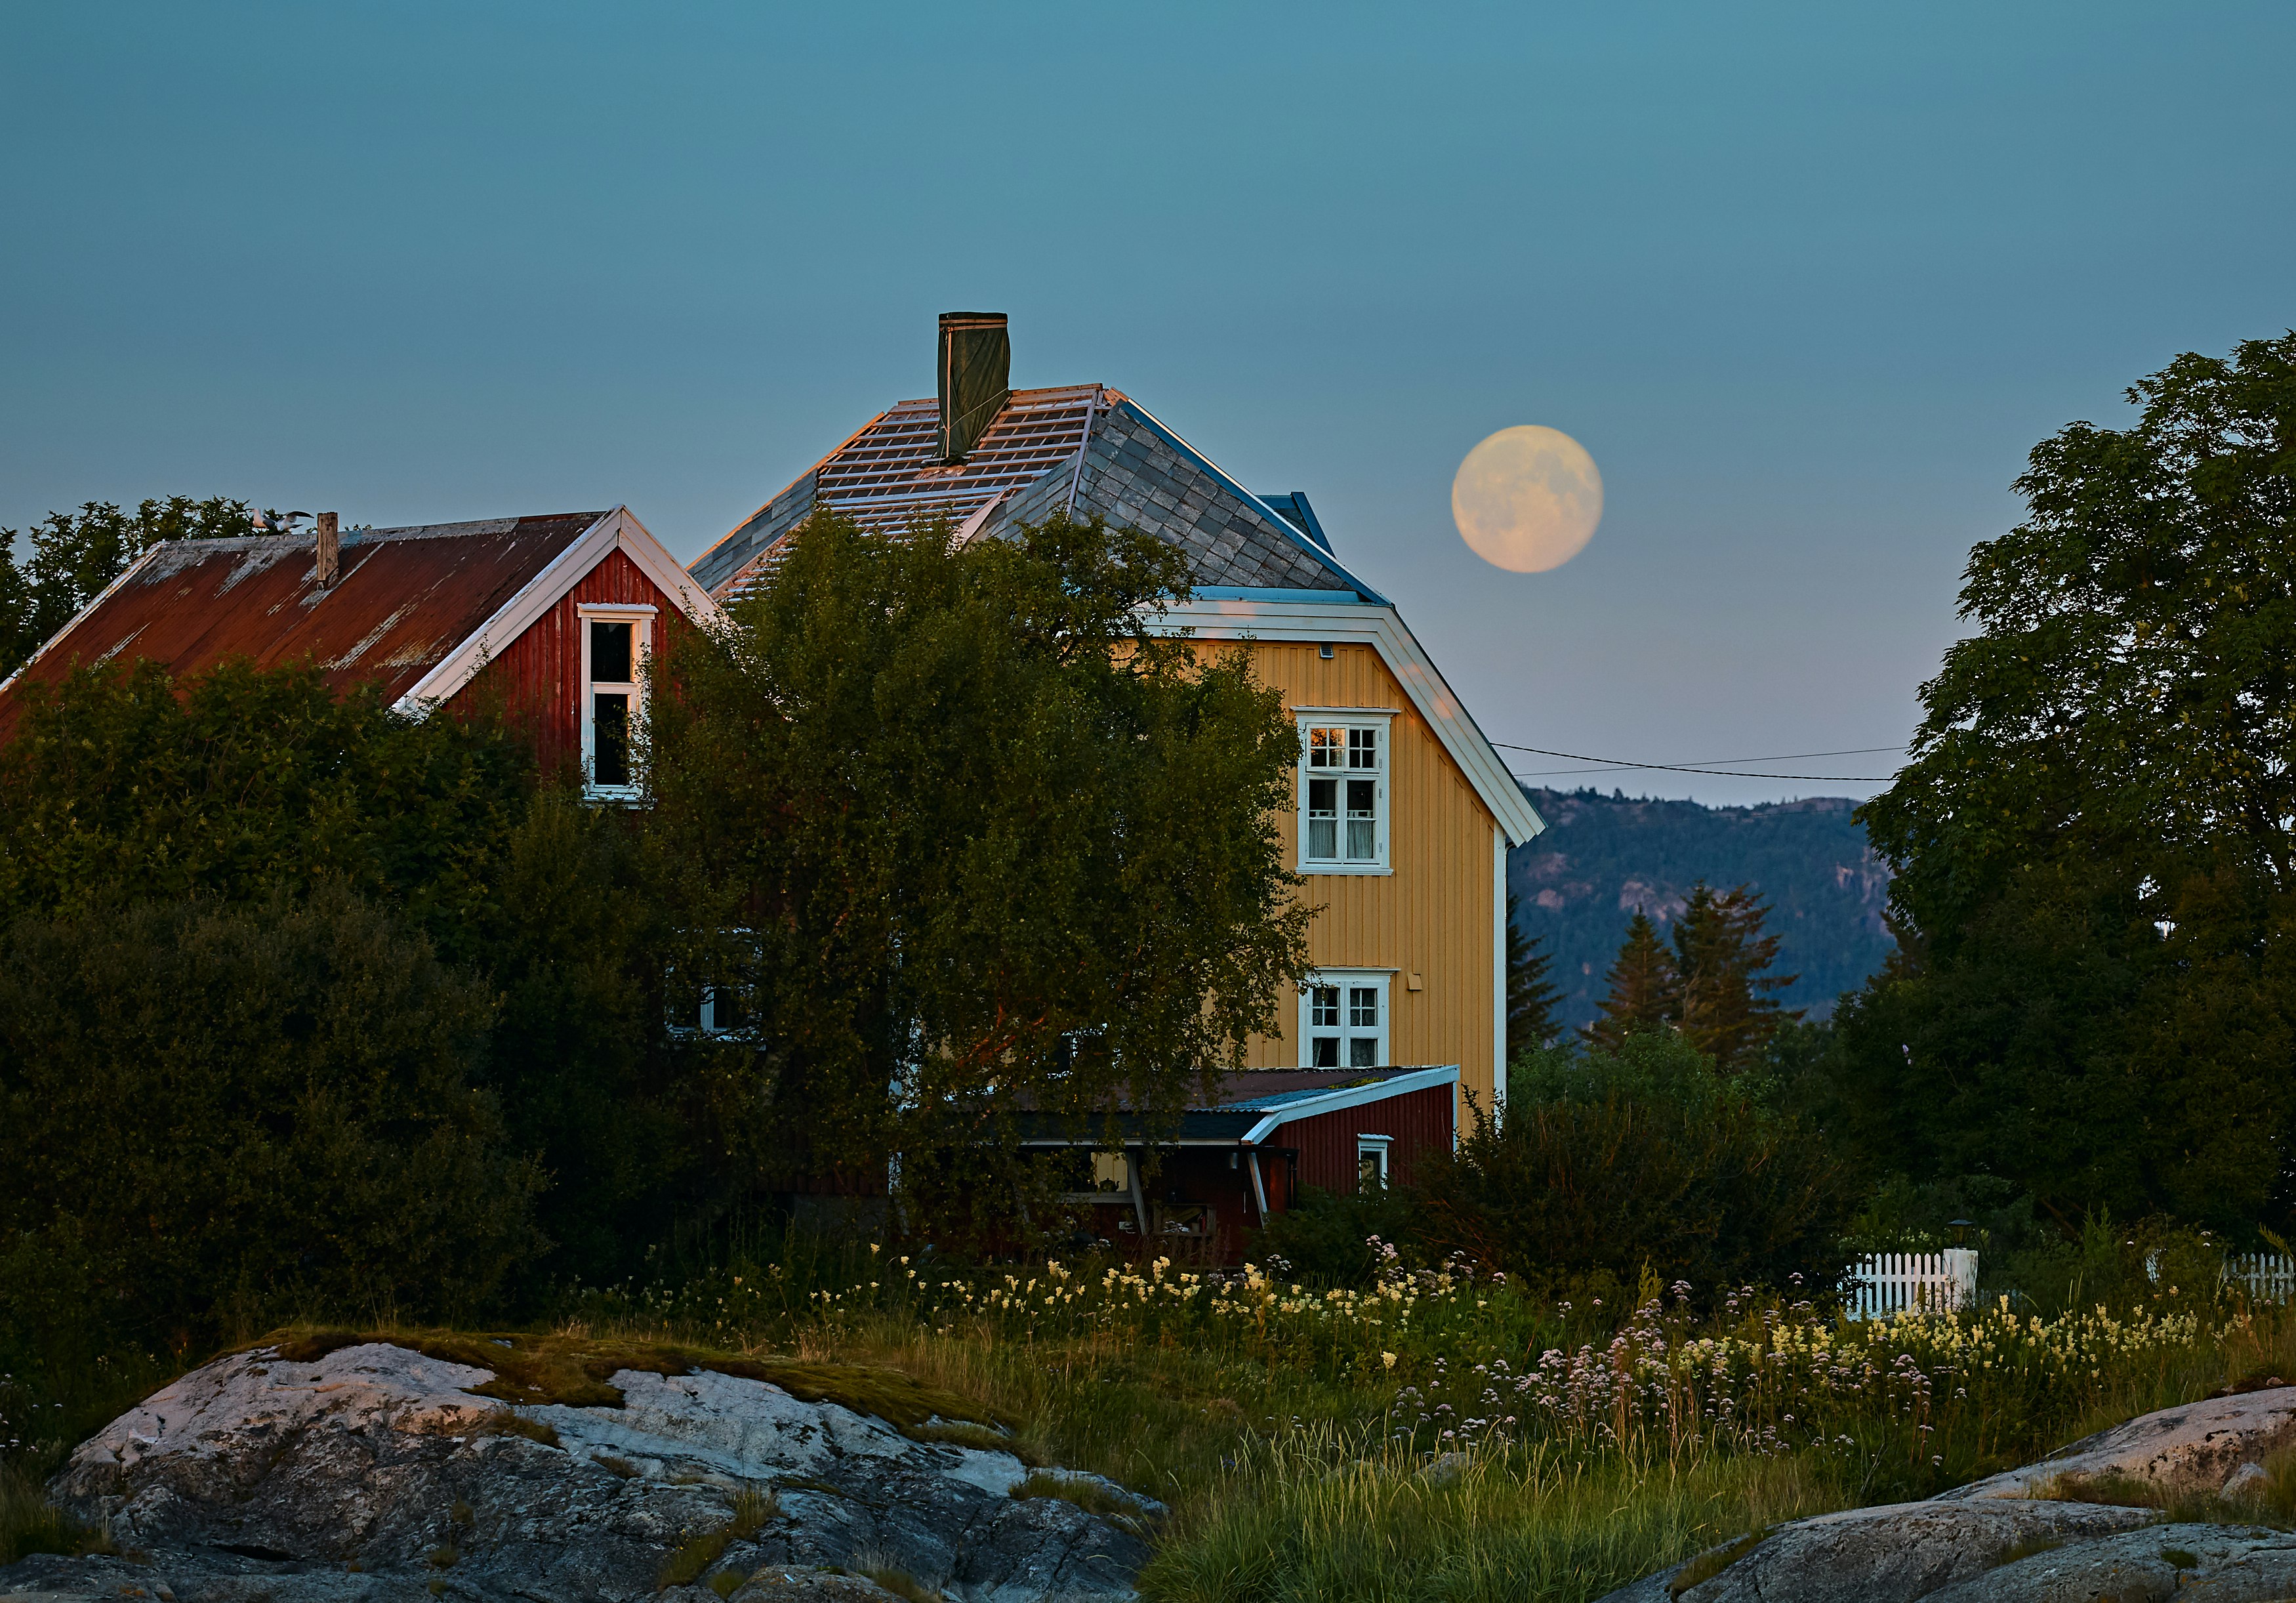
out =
column 1371, row 1161
column 616, row 641
column 1343, row 791
column 1343, row 1020
column 722, row 1013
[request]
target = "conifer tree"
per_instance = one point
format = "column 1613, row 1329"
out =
column 1728, row 1009
column 1530, row 999
column 1645, row 991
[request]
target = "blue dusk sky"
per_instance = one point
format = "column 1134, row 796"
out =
column 1807, row 281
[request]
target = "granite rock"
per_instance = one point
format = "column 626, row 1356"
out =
column 2026, row 1535
column 2175, row 1452
column 1891, row 1554
column 372, row 1474
column 2220, row 1563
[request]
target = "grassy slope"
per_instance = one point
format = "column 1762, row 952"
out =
column 1283, row 1476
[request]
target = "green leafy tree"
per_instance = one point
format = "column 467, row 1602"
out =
column 1530, row 998
column 2092, row 841
column 1645, row 991
column 73, row 555
column 991, row 843
column 122, row 785
column 1729, row 1008
column 214, row 1115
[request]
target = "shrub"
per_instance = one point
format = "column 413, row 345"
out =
column 212, row 1116
column 1641, row 1162
column 1325, row 1235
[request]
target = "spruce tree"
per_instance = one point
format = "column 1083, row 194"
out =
column 1645, row 991
column 1530, row 999
column 1729, row 1008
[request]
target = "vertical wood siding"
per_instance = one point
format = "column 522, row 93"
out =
column 534, row 680
column 1418, row 1120
column 1433, row 914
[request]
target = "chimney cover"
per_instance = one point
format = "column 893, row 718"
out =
column 976, row 373
column 330, row 559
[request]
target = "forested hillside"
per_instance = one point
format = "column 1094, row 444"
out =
column 1602, row 857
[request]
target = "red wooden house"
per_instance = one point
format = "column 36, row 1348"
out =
column 550, row 618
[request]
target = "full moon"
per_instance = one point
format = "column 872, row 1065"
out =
column 1527, row 498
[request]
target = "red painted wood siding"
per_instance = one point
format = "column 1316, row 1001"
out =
column 1419, row 1121
column 534, row 679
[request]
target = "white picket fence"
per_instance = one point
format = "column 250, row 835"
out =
column 1891, row 1283
column 2270, row 1277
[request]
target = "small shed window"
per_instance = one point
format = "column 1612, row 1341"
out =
column 1343, row 1021
column 1371, row 1161
column 614, row 646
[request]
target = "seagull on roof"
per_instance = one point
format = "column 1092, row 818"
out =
column 282, row 521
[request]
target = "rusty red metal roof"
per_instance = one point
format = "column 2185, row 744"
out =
column 406, row 598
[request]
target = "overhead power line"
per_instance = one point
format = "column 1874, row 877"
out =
column 1680, row 768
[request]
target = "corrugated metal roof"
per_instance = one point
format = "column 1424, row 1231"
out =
column 406, row 598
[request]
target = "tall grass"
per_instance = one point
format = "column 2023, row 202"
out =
column 1440, row 1432
column 1311, row 1516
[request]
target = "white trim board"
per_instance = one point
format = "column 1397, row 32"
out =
column 1382, row 628
column 1498, row 980
column 616, row 531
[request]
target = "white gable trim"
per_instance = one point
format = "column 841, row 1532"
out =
column 1382, row 628
column 616, row 531
column 151, row 553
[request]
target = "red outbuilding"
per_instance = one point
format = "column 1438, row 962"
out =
column 1243, row 1154
column 549, row 618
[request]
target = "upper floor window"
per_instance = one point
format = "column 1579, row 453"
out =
column 1343, row 789
column 615, row 641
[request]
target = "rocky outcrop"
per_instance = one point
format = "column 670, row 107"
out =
column 2027, row 1536
column 2218, row 1564
column 375, row 1473
column 2176, row 1452
column 1891, row 1554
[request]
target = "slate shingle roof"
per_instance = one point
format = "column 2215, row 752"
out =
column 1083, row 449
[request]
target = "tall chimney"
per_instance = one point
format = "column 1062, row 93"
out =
column 976, row 372
column 330, row 551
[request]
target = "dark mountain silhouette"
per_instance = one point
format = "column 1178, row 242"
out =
column 1602, row 857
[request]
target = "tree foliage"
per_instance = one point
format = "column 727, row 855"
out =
column 1531, row 997
column 257, row 787
column 74, row 556
column 1713, row 986
column 1610, row 1163
column 1729, row 1008
column 1644, row 992
column 2092, row 841
column 990, row 840
column 125, row 783
column 211, row 1116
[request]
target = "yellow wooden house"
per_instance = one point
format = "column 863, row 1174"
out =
column 1403, row 812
